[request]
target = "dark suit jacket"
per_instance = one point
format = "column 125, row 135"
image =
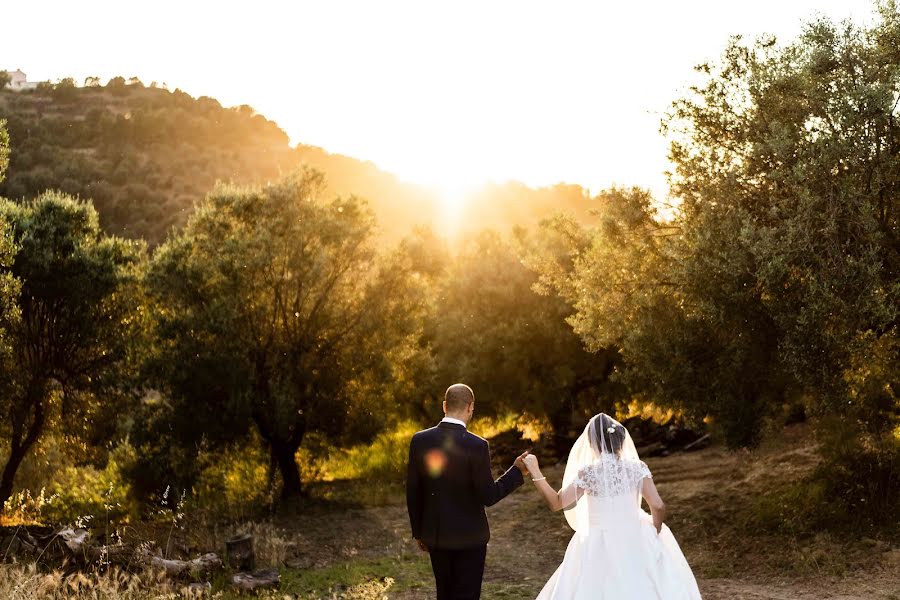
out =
column 448, row 484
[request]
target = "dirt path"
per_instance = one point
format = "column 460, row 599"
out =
column 528, row 541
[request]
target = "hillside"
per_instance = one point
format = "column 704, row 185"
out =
column 146, row 155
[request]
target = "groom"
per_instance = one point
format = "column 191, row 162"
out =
column 448, row 484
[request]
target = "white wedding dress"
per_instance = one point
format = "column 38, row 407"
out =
column 615, row 553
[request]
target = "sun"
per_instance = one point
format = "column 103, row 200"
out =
column 454, row 199
column 451, row 187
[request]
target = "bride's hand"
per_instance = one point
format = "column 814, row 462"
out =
column 531, row 463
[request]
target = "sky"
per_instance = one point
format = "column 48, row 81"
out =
column 450, row 94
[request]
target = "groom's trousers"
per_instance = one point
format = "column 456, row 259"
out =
column 458, row 573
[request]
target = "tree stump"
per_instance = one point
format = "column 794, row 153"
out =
column 239, row 553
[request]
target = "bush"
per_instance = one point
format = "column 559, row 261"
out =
column 383, row 458
column 72, row 493
column 860, row 477
column 65, row 90
column 99, row 494
column 234, row 482
column 854, row 493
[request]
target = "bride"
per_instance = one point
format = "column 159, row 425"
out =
column 618, row 550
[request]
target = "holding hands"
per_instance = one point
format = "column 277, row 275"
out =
column 550, row 495
column 528, row 463
column 520, row 462
column 531, row 463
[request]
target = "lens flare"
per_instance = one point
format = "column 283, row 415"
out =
column 435, row 461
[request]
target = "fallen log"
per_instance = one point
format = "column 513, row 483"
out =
column 117, row 554
column 655, row 439
column 269, row 578
column 66, row 546
column 75, row 540
column 698, row 444
column 17, row 545
column 197, row 568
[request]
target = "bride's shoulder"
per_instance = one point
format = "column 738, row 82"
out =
column 641, row 468
column 584, row 470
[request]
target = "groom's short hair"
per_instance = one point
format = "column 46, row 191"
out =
column 458, row 396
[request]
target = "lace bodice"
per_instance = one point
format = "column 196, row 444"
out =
column 611, row 476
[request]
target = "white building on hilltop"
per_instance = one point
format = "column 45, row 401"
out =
column 18, row 81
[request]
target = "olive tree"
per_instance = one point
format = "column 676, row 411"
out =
column 273, row 308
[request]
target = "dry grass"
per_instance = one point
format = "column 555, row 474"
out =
column 19, row 582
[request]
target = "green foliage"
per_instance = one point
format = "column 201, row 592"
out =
column 144, row 156
column 384, row 458
column 861, row 441
column 272, row 307
column 65, row 479
column 778, row 276
column 98, row 495
column 234, row 481
column 627, row 280
column 9, row 291
column 65, row 90
column 492, row 330
column 77, row 315
column 9, row 285
column 796, row 143
column 787, row 165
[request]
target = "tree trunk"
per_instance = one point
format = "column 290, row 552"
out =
column 19, row 445
column 9, row 472
column 561, row 421
column 290, row 473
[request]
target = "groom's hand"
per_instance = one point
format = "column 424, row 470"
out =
column 520, row 462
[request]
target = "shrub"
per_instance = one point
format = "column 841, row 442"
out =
column 234, row 482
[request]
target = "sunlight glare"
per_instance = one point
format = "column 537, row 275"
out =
column 454, row 198
column 573, row 92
